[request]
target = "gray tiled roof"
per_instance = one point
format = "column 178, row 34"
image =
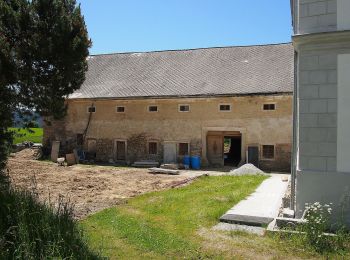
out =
column 200, row 72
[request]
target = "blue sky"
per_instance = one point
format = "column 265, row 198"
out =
column 148, row 25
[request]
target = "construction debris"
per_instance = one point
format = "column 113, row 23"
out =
column 70, row 159
column 55, row 150
column 29, row 153
column 247, row 169
column 145, row 164
column 164, row 171
column 60, row 161
column 170, row 166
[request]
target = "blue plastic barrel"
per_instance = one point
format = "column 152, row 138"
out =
column 187, row 161
column 196, row 162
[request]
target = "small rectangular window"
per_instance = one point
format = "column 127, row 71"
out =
column 120, row 109
column 225, row 107
column 153, row 148
column 184, row 108
column 183, row 149
column 91, row 109
column 269, row 107
column 153, row 108
column 268, row 151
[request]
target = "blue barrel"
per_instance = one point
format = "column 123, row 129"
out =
column 196, row 162
column 187, row 161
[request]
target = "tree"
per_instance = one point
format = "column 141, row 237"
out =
column 54, row 58
column 43, row 50
column 43, row 58
column 9, row 32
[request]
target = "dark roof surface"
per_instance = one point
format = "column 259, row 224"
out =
column 265, row 69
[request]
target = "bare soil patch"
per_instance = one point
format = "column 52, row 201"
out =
column 89, row 188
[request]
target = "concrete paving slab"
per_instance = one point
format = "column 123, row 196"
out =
column 244, row 228
column 261, row 207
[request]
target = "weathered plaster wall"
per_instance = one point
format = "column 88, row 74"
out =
column 260, row 127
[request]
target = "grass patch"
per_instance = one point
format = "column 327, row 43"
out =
column 165, row 224
column 32, row 230
column 35, row 135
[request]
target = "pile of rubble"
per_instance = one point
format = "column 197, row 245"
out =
column 247, row 169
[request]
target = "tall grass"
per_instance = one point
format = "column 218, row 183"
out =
column 32, row 230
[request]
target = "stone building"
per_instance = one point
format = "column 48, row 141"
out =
column 321, row 167
column 217, row 103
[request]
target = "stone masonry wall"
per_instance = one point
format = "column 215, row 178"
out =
column 170, row 125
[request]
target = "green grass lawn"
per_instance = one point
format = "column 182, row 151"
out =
column 22, row 135
column 165, row 224
column 176, row 224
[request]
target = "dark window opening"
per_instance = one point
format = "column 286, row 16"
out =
column 80, row 139
column 184, row 108
column 152, row 148
column 268, row 151
column 92, row 109
column 153, row 108
column 120, row 109
column 183, row 149
column 269, row 106
column 232, row 150
column 225, row 107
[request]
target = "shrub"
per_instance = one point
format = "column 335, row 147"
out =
column 317, row 224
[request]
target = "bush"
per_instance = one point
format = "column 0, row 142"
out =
column 317, row 224
column 32, row 230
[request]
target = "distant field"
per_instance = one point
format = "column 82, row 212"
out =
column 22, row 135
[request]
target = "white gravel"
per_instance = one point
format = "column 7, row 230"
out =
column 247, row 169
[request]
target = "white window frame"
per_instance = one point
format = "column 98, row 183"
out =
column 148, row 107
column 116, row 109
column 262, row 152
column 183, row 142
column 87, row 109
column 269, row 103
column 225, row 104
column 180, row 105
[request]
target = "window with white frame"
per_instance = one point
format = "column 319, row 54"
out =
column 91, row 109
column 152, row 108
column 120, row 109
column 184, row 149
column 269, row 106
column 225, row 107
column 184, row 108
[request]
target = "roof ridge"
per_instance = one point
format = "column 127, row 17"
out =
column 192, row 49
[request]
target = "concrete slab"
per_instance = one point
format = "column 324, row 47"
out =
column 261, row 207
column 244, row 228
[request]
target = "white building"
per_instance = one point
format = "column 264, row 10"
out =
column 322, row 104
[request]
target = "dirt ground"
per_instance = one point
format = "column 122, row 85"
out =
column 89, row 188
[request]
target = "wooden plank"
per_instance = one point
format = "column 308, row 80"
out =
column 55, row 150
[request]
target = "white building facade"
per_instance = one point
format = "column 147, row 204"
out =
column 321, row 169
